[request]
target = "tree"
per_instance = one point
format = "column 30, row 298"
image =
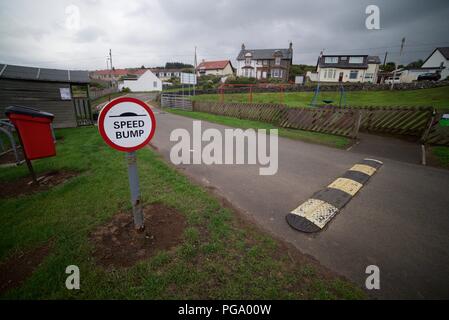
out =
column 415, row 64
column 177, row 65
column 299, row 70
column 389, row 67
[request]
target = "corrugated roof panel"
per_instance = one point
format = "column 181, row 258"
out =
column 43, row 74
column 79, row 76
column 19, row 72
column 53, row 75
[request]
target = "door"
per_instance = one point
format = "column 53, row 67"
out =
column 340, row 77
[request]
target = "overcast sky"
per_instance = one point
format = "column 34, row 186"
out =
column 47, row 33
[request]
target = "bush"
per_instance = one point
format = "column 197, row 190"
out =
column 241, row 80
column 126, row 89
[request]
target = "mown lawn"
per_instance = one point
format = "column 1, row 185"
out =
column 307, row 136
column 441, row 154
column 220, row 257
column 436, row 97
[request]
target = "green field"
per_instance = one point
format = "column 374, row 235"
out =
column 307, row 136
column 221, row 256
column 436, row 97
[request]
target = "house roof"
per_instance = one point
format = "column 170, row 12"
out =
column 343, row 61
column 212, row 65
column 443, row 50
column 265, row 54
column 120, row 72
column 9, row 71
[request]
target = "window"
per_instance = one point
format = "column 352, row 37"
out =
column 265, row 62
column 275, row 73
column 369, row 75
column 154, row 84
column 355, row 59
column 329, row 73
column 353, row 74
column 277, row 61
column 330, row 59
column 247, row 61
column 344, row 58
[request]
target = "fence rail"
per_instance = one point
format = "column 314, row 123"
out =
column 422, row 123
column 94, row 94
column 176, row 101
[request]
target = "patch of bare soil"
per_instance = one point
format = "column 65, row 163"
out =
column 16, row 269
column 10, row 158
column 9, row 189
column 118, row 244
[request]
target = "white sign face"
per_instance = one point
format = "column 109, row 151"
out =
column 65, row 94
column 126, row 125
column 188, row 78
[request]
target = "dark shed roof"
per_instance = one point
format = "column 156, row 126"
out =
column 9, row 71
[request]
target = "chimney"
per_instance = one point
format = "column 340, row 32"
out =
column 243, row 46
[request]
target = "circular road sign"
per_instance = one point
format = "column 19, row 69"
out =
column 127, row 124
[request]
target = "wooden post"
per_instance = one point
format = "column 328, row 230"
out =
column 357, row 121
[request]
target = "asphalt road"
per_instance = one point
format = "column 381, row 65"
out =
column 399, row 221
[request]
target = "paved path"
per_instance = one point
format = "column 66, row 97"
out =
column 388, row 147
column 399, row 221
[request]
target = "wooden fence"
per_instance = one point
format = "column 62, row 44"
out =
column 422, row 123
column 341, row 122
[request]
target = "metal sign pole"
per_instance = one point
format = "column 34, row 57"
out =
column 135, row 192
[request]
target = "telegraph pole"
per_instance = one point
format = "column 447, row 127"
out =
column 194, row 70
column 397, row 65
column 385, row 58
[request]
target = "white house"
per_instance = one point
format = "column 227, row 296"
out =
column 216, row 68
column 439, row 59
column 346, row 68
column 146, row 81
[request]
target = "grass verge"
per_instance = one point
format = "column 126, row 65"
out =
column 441, row 155
column 219, row 258
column 436, row 97
column 307, row 136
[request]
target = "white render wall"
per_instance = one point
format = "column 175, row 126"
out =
column 219, row 72
column 146, row 82
column 435, row 61
column 241, row 70
column 372, row 68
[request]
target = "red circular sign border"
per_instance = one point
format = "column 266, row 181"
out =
column 114, row 102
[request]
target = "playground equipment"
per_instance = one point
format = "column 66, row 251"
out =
column 342, row 99
column 250, row 87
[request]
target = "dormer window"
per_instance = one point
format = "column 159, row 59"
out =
column 331, row 60
column 277, row 61
column 248, row 58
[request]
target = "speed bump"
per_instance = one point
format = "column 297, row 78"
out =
column 315, row 213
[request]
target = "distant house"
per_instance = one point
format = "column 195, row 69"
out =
column 439, row 59
column 166, row 74
column 115, row 74
column 346, row 68
column 146, row 81
column 64, row 93
column 265, row 63
column 216, row 68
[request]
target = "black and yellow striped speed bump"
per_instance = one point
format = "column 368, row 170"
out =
column 315, row 213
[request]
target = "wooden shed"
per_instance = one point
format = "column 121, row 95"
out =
column 65, row 93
